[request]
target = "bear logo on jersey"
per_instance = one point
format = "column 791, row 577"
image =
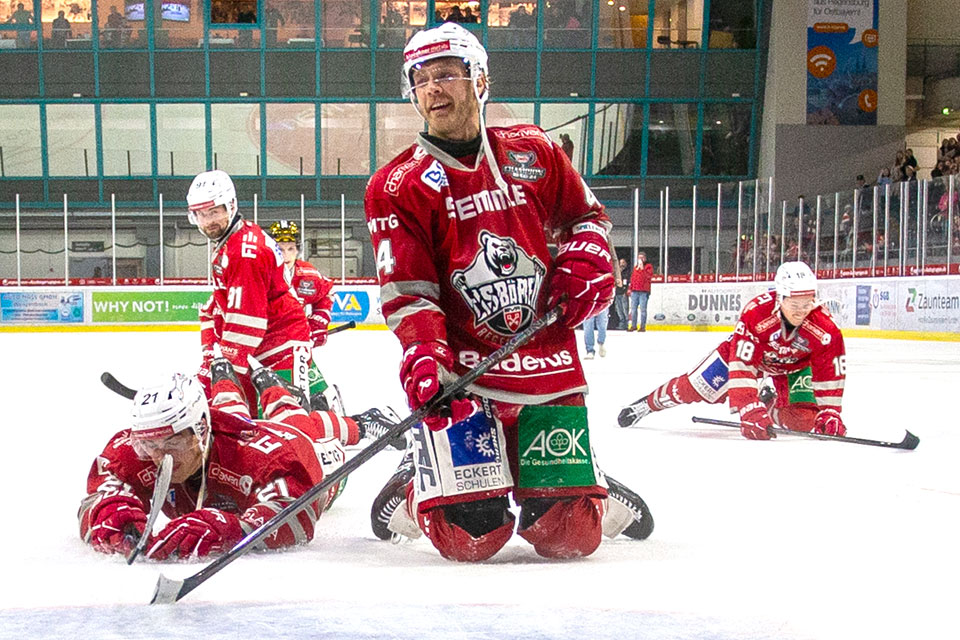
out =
column 501, row 285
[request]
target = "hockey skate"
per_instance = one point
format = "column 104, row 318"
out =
column 374, row 424
column 264, row 378
column 391, row 497
column 221, row 368
column 633, row 413
column 328, row 400
column 642, row 525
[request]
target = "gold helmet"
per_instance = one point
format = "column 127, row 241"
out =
column 285, row 231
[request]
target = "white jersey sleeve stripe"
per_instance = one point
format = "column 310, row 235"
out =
column 244, row 320
column 415, row 288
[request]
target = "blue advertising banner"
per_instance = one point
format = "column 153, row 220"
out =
column 842, row 62
column 25, row 307
column 350, row 304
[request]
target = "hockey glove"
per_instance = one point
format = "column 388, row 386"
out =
column 118, row 522
column 754, row 422
column 583, row 275
column 829, row 422
column 422, row 371
column 196, row 534
column 318, row 327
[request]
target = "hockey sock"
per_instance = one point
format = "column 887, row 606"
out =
column 675, row 391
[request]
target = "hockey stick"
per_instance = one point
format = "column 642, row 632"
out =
column 116, row 386
column 342, row 327
column 908, row 443
column 164, row 471
column 169, row 591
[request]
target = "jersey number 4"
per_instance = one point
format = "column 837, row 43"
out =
column 385, row 260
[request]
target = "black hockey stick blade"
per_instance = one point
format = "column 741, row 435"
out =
column 160, row 487
column 169, row 591
column 116, row 386
column 908, row 443
column 342, row 327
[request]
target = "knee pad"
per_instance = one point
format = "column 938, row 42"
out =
column 468, row 531
column 562, row 527
column 796, row 417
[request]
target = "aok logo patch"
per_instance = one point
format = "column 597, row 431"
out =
column 523, row 168
column 501, row 285
column 555, row 447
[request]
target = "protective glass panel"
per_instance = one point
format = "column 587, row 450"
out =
column 617, row 139
column 345, row 139
column 726, row 139
column 457, row 11
column 289, row 23
column 236, row 138
column 178, row 23
column 397, row 127
column 291, row 139
column 567, row 24
column 116, row 32
column 181, row 139
column 399, row 21
column 126, row 139
column 566, row 124
column 671, row 139
column 733, row 24
column 20, row 140
column 71, row 140
column 233, row 11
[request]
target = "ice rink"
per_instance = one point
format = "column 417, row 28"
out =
column 786, row 539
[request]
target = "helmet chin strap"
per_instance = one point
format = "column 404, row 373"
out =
column 487, row 151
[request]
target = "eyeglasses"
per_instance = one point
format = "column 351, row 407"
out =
column 442, row 81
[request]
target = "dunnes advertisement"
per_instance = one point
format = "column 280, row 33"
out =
column 41, row 307
column 158, row 306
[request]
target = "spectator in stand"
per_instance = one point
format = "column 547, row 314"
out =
column 884, row 177
column 640, row 282
column 60, row 32
column 861, row 183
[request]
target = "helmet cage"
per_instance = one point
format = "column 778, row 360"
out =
column 449, row 40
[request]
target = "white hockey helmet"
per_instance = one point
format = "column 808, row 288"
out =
column 449, row 40
column 795, row 279
column 211, row 189
column 169, row 408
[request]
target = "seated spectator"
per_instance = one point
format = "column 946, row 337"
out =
column 884, row 177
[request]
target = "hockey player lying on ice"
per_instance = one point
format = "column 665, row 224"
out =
column 230, row 473
column 786, row 335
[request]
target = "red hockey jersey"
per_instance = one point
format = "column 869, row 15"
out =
column 464, row 262
column 759, row 345
column 313, row 289
column 252, row 309
column 254, row 470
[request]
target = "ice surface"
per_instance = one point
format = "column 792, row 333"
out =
column 787, row 539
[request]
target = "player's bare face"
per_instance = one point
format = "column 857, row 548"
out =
column 445, row 95
column 185, row 449
column 796, row 308
column 289, row 251
column 213, row 221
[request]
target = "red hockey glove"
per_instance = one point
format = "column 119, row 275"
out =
column 829, row 422
column 196, row 534
column 318, row 328
column 583, row 275
column 754, row 422
column 421, row 372
column 117, row 524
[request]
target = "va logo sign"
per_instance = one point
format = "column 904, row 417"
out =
column 350, row 305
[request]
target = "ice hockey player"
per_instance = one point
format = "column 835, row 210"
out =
column 786, row 335
column 460, row 224
column 252, row 310
column 313, row 291
column 230, row 473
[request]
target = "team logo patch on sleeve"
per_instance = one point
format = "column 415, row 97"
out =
column 523, row 168
column 501, row 285
column 716, row 374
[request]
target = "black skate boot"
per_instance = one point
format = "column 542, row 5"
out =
column 632, row 414
column 373, row 424
column 393, row 495
column 264, row 378
column 642, row 526
column 222, row 369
